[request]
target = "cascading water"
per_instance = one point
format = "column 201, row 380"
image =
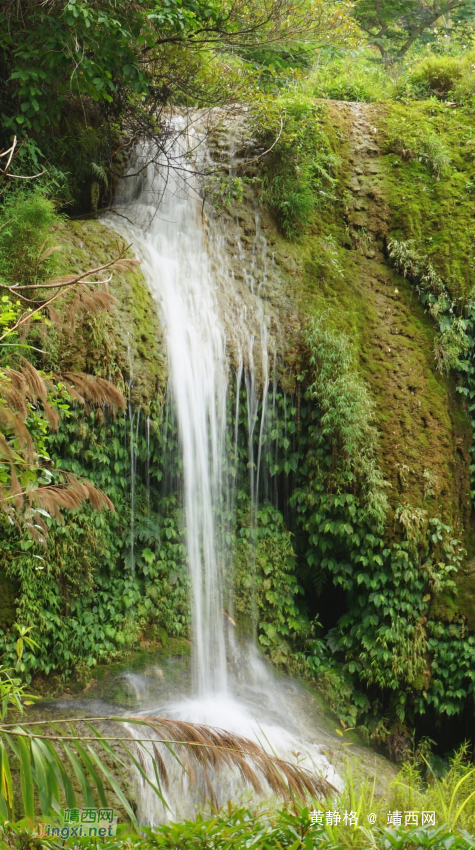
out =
column 170, row 241
column 164, row 212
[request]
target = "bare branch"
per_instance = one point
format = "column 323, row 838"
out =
column 12, row 153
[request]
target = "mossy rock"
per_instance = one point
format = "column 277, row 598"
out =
column 126, row 344
column 339, row 269
column 436, row 210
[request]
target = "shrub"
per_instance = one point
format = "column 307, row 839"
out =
column 292, row 202
column 434, row 75
column 464, row 90
column 444, row 77
column 24, row 223
column 376, row 820
column 347, row 415
column 264, row 580
column 300, row 172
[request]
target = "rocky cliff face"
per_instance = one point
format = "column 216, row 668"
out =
column 341, row 269
column 126, row 344
column 338, row 269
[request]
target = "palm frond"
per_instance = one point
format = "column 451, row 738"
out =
column 70, row 495
column 54, row 760
column 94, row 390
column 211, row 748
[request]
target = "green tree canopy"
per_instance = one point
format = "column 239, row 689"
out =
column 85, row 79
column 61, row 53
column 395, row 25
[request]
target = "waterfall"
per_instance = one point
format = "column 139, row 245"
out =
column 171, row 244
column 206, row 313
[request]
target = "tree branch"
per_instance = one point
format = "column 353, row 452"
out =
column 79, row 279
column 437, row 13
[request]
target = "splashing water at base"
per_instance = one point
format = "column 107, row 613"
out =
column 264, row 712
column 166, row 228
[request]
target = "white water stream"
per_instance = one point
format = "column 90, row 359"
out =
column 170, row 243
column 165, row 218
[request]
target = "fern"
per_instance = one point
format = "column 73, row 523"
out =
column 100, row 172
column 452, row 341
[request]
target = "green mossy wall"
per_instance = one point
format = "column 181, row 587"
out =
column 339, row 268
column 421, row 421
column 125, row 344
column 435, row 210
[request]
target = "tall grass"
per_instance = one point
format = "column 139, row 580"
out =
column 356, row 76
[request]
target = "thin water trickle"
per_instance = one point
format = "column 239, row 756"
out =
column 205, row 317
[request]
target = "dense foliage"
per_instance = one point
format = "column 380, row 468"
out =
column 86, row 79
column 385, row 635
column 395, row 25
column 300, row 171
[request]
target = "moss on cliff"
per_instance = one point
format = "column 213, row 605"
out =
column 428, row 167
column 339, row 269
column 125, row 344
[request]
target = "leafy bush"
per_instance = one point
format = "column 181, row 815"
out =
column 445, row 77
column 464, row 90
column 265, row 582
column 434, row 75
column 25, row 219
column 384, row 637
column 347, row 416
column 92, row 593
column 292, row 201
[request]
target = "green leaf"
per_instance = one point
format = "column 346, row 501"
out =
column 6, row 787
column 110, row 778
column 81, row 776
column 26, row 777
column 92, row 772
column 42, row 778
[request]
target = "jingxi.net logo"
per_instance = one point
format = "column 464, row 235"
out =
column 78, row 823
